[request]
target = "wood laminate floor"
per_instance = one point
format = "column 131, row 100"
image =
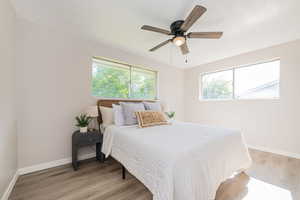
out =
column 272, row 177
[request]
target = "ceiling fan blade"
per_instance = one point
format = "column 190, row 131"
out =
column 160, row 45
column 196, row 13
column 205, row 35
column 184, row 49
column 155, row 29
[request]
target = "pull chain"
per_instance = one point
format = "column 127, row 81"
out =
column 186, row 59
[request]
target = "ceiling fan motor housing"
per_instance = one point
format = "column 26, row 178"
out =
column 176, row 28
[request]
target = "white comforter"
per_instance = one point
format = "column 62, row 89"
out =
column 182, row 161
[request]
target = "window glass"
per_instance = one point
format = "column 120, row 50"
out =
column 217, row 85
column 257, row 81
column 114, row 80
column 143, row 84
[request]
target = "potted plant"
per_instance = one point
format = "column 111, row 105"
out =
column 170, row 114
column 82, row 122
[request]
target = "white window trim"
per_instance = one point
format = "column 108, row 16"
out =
column 233, row 82
column 130, row 66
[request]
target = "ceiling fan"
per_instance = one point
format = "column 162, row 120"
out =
column 179, row 28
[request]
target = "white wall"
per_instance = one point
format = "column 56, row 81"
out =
column 53, row 78
column 268, row 124
column 8, row 134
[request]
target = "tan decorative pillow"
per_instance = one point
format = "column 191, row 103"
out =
column 150, row 118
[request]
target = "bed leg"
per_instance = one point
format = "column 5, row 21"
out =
column 123, row 172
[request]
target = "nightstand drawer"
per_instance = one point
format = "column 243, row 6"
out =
column 89, row 138
column 88, row 141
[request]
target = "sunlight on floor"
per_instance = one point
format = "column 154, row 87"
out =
column 259, row 190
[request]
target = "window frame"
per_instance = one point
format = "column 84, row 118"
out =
column 233, row 98
column 131, row 66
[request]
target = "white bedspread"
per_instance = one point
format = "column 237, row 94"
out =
column 182, row 161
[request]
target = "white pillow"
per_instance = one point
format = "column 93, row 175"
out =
column 155, row 106
column 107, row 115
column 118, row 115
column 129, row 110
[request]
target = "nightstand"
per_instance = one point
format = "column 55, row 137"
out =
column 86, row 139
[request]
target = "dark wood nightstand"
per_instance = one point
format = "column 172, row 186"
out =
column 86, row 139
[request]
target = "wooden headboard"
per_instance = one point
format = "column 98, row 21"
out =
column 110, row 102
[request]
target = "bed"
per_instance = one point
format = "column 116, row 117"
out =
column 180, row 161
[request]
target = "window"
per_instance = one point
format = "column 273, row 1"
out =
column 259, row 81
column 111, row 79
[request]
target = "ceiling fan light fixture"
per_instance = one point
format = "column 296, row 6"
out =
column 179, row 40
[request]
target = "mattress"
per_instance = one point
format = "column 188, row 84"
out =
column 178, row 161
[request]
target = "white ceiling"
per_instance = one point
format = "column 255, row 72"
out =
column 247, row 25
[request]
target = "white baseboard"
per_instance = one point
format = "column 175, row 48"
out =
column 279, row 152
column 55, row 163
column 10, row 186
